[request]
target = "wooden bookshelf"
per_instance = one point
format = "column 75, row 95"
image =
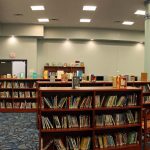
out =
column 18, row 95
column 68, row 69
column 145, row 85
column 69, row 83
column 146, row 129
column 72, row 118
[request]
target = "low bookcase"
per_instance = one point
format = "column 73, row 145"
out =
column 90, row 118
column 18, row 95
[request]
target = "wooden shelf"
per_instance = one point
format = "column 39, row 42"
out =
column 117, row 127
column 5, row 98
column 1, row 89
column 87, row 89
column 68, row 69
column 17, row 110
column 74, row 114
column 66, row 130
column 67, row 110
column 24, row 98
column 26, row 89
column 117, row 108
column 146, row 93
column 23, row 85
column 124, row 147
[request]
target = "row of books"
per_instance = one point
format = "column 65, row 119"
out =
column 24, row 85
column 116, row 139
column 18, row 105
column 117, row 118
column 115, row 101
column 84, row 143
column 5, row 84
column 146, row 88
column 24, row 94
column 67, row 102
column 147, row 99
column 17, row 84
column 68, row 121
column 5, row 94
column 79, row 143
column 18, row 94
column 69, row 143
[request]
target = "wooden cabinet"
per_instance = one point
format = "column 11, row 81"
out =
column 90, row 118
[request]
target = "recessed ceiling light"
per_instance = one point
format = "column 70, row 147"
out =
column 40, row 7
column 43, row 20
column 128, row 23
column 85, row 20
column 140, row 12
column 89, row 8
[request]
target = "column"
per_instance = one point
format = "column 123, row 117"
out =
column 147, row 38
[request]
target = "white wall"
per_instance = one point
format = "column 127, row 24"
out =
column 114, row 51
column 100, row 58
column 25, row 48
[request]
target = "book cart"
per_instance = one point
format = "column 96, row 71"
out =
column 90, row 118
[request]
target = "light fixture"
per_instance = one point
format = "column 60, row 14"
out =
column 128, row 23
column 85, row 20
column 89, row 8
column 43, row 20
column 40, row 7
column 12, row 39
column 140, row 12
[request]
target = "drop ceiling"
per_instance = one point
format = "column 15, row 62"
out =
column 67, row 13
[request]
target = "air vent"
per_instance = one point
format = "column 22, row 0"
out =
column 54, row 19
column 18, row 14
column 117, row 21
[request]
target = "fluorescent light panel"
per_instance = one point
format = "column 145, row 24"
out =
column 89, row 8
column 43, row 20
column 40, row 7
column 85, row 20
column 128, row 23
column 140, row 12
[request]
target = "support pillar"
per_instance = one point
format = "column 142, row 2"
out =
column 147, row 38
